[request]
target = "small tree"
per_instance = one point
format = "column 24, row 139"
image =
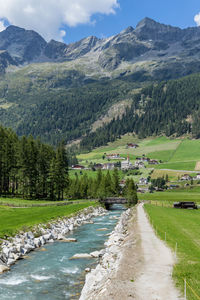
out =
column 131, row 193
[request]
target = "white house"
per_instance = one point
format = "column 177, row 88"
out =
column 108, row 166
column 126, row 164
column 186, row 177
column 143, row 181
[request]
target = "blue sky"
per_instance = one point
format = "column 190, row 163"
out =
column 173, row 12
column 72, row 20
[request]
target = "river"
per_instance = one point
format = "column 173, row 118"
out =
column 48, row 273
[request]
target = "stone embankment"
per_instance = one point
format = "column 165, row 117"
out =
column 96, row 280
column 19, row 246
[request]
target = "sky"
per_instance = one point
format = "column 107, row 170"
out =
column 72, row 20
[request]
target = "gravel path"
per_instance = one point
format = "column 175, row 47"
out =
column 154, row 282
column 144, row 271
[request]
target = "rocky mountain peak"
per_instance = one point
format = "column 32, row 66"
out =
column 150, row 29
column 129, row 29
column 23, row 45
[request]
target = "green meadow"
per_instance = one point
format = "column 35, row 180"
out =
column 182, row 227
column 14, row 219
column 174, row 154
column 170, row 196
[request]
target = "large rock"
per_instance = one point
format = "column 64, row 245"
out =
column 81, row 255
column 3, row 269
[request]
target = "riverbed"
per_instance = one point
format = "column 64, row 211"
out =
column 48, row 273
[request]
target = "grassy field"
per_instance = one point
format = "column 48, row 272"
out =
column 180, row 165
column 175, row 154
column 175, row 195
column 181, row 227
column 14, row 219
column 173, row 175
column 146, row 146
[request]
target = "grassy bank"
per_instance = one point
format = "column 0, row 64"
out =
column 15, row 219
column 19, row 202
column 181, row 227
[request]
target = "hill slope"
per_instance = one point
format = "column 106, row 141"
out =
column 170, row 108
column 59, row 91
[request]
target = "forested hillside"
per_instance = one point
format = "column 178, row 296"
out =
column 30, row 168
column 170, row 108
column 58, row 91
column 64, row 112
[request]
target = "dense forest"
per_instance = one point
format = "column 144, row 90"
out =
column 30, row 168
column 60, row 112
column 35, row 170
column 170, row 108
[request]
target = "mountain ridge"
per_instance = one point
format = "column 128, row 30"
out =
column 59, row 91
column 149, row 41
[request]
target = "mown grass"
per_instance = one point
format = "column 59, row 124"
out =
column 161, row 148
column 14, row 219
column 181, row 227
column 180, row 165
column 164, row 155
column 23, row 202
column 189, row 150
column 172, row 175
column 172, row 196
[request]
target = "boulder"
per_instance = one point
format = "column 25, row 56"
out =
column 95, row 254
column 87, row 270
column 3, row 269
column 102, row 229
column 81, row 255
column 69, row 240
column 71, row 227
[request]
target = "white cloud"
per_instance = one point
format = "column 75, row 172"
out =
column 197, row 19
column 47, row 16
column 2, row 26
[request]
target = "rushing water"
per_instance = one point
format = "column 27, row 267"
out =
column 48, row 273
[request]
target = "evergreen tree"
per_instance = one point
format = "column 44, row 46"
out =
column 115, row 179
column 131, row 193
column 61, row 171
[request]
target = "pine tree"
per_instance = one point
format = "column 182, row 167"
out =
column 61, row 171
column 115, row 179
column 131, row 194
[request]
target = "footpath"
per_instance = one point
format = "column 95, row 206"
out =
column 143, row 269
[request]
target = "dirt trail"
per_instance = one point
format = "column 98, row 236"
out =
column 144, row 271
column 154, row 281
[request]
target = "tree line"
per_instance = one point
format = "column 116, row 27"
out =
column 101, row 187
column 30, row 168
column 170, row 108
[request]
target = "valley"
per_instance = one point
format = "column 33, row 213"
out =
column 106, row 118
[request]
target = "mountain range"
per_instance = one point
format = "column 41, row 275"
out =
column 43, row 82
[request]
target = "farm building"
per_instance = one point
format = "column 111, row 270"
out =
column 143, row 181
column 139, row 164
column 133, row 146
column 108, row 166
column 153, row 162
column 114, row 156
column 186, row 177
column 78, row 167
column 98, row 166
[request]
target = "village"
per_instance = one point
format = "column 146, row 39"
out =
column 131, row 162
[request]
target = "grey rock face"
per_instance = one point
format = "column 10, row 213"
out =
column 173, row 52
column 23, row 45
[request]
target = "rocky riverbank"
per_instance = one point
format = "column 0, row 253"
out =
column 19, row 246
column 96, row 281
